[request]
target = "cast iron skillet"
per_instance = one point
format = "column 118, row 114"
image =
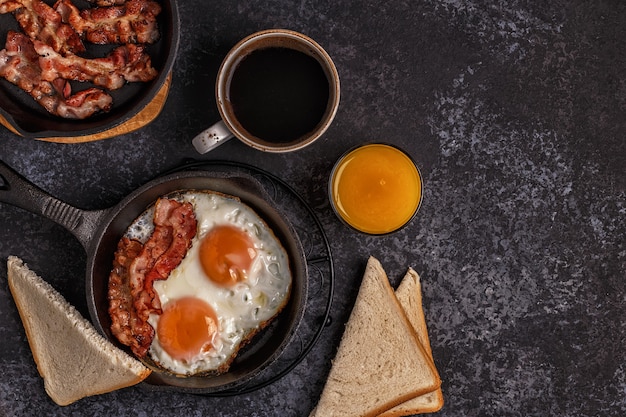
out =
column 99, row 232
column 33, row 121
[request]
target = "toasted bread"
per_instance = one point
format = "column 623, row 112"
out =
column 74, row 360
column 409, row 294
column 380, row 362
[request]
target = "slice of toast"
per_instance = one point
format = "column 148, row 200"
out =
column 409, row 294
column 74, row 360
column 380, row 362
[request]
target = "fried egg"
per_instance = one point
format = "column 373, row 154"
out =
column 234, row 279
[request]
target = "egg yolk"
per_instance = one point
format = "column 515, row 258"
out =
column 186, row 328
column 226, row 255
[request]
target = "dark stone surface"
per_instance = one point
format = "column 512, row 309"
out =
column 515, row 111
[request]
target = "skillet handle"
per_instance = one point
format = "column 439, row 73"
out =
column 19, row 192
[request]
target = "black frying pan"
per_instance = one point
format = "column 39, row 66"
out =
column 31, row 120
column 99, row 232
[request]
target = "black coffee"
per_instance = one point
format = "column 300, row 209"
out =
column 279, row 94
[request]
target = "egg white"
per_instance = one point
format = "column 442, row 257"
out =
column 241, row 309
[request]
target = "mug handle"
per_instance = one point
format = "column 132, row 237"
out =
column 212, row 137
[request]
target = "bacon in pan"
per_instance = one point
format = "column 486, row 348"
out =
column 174, row 227
column 8, row 6
column 51, row 56
column 132, row 297
column 19, row 64
column 134, row 21
column 105, row 3
column 126, row 324
column 125, row 63
column 41, row 22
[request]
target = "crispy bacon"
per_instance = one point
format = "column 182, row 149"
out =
column 8, row 6
column 129, row 329
column 132, row 22
column 182, row 221
column 19, row 64
column 125, row 63
column 44, row 71
column 80, row 105
column 174, row 227
column 41, row 22
column 104, row 3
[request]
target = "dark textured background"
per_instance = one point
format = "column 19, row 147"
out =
column 515, row 111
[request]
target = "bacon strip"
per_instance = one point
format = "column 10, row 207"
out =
column 129, row 329
column 125, row 63
column 19, row 64
column 174, row 228
column 8, row 6
column 104, row 3
column 80, row 105
column 41, row 22
column 184, row 226
column 132, row 22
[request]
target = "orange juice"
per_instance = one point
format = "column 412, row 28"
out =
column 376, row 188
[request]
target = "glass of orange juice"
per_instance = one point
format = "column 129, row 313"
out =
column 375, row 188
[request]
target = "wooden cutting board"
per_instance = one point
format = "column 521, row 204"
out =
column 141, row 119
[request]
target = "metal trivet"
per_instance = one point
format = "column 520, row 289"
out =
column 319, row 262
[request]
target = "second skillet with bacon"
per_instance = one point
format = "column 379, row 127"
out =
column 58, row 35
